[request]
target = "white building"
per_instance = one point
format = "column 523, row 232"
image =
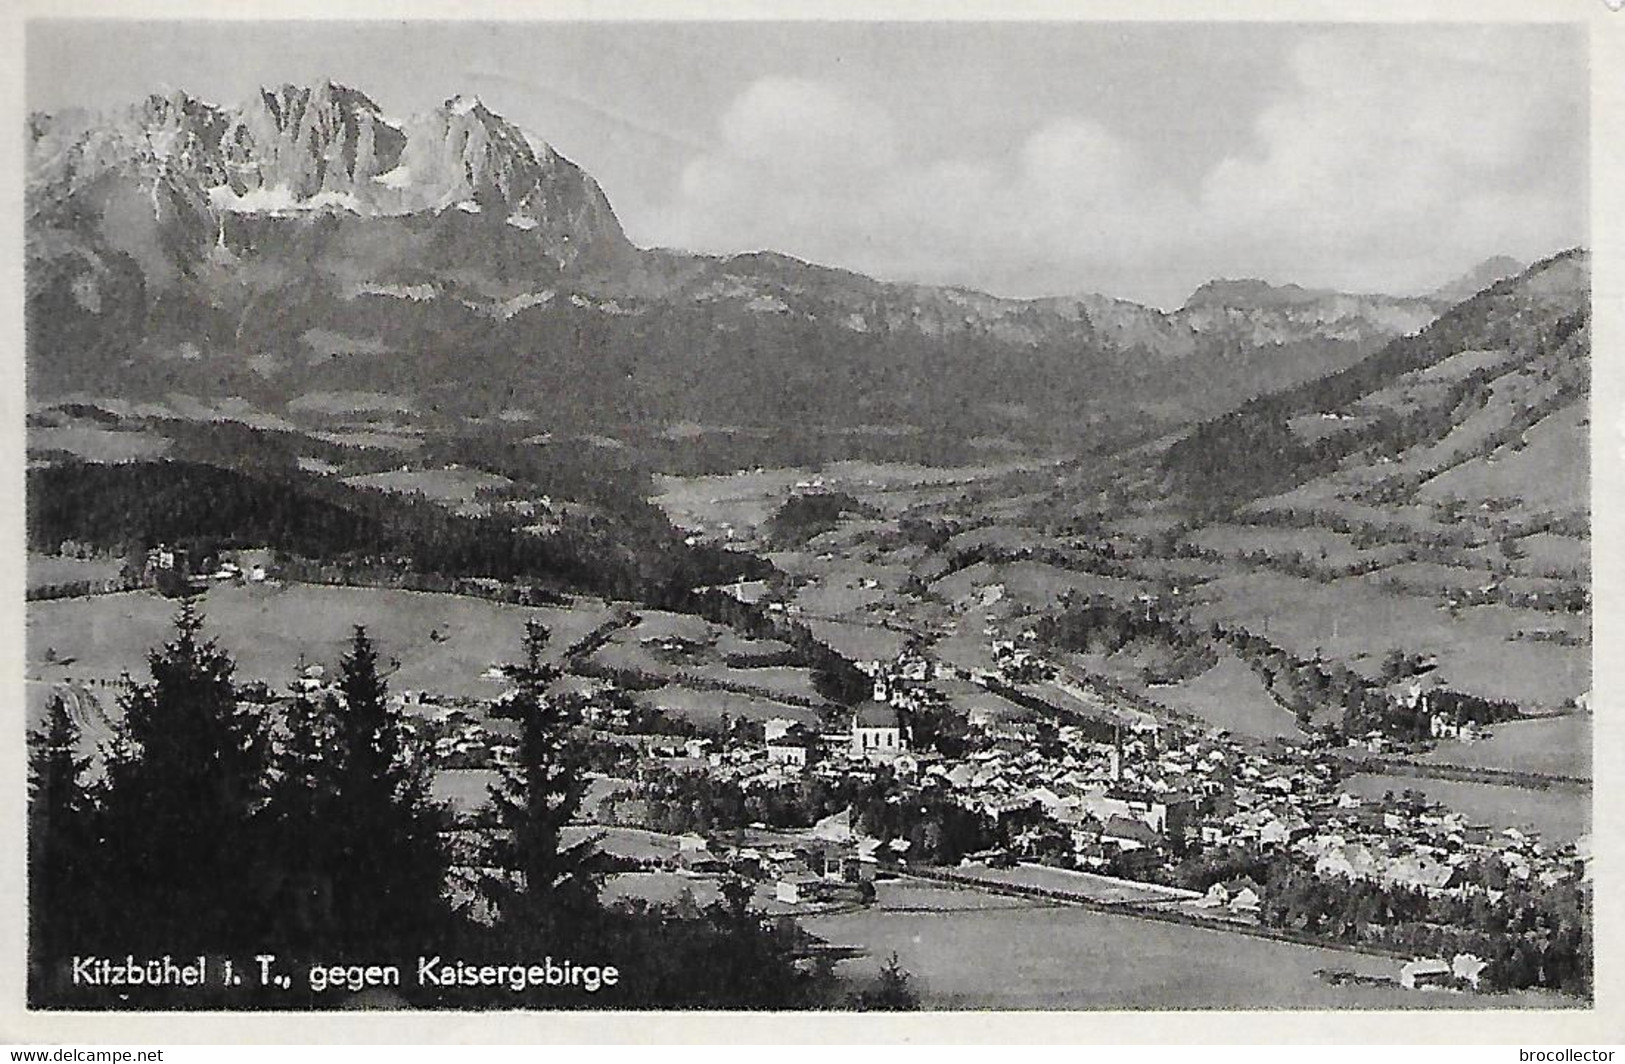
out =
column 877, row 732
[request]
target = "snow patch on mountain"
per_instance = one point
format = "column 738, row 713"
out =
column 398, row 178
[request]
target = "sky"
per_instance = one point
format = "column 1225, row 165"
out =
column 1134, row 159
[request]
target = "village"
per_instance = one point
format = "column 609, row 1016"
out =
column 1025, row 779
column 1120, row 812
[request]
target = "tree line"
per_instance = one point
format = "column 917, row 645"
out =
column 205, row 508
column 1531, row 936
column 217, row 827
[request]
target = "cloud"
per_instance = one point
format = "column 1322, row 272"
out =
column 794, row 123
column 1389, row 160
column 1403, row 151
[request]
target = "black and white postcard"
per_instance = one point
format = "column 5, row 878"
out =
column 717, row 514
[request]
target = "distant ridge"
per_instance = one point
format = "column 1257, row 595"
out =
column 1480, row 277
column 305, row 244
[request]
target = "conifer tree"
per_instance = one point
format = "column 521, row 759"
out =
column 537, row 795
column 185, row 779
column 61, row 843
column 301, row 816
column 390, row 867
column 892, row 991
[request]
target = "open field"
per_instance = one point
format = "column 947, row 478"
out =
column 1509, row 393
column 1082, row 884
column 1426, row 384
column 744, row 500
column 1033, row 586
column 663, row 624
column 705, row 708
column 1557, row 816
column 965, row 646
column 797, row 563
column 634, row 843
column 354, row 402
column 1312, row 428
column 456, row 488
column 705, row 664
column 1358, row 621
column 714, row 640
column 623, row 654
column 831, row 599
column 316, row 465
column 1230, row 696
column 1546, row 551
column 856, row 475
column 1329, row 498
column 968, row 698
column 1462, row 365
column 444, row 642
column 47, row 569
column 1555, row 746
column 860, row 642
column 600, row 788
column 741, row 500
column 1012, row 954
column 1552, row 470
column 780, row 680
column 1184, row 571
column 95, row 444
column 1430, row 577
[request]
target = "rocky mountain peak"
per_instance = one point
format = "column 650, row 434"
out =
column 1250, row 294
column 295, row 149
column 293, row 144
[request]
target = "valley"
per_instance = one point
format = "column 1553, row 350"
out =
column 1278, row 602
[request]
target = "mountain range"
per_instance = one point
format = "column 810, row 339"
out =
column 305, row 246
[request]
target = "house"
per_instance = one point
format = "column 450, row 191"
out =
column 787, row 753
column 1468, row 967
column 255, row 563
column 877, row 732
column 1418, row 870
column 791, row 891
column 1245, row 902
column 1014, row 731
column 1128, row 834
column 1169, row 814
column 1420, row 974
column 702, row 864
column 794, row 746
column 1242, row 896
column 162, row 557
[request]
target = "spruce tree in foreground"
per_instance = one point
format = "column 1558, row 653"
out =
column 389, row 864
column 301, row 813
column 185, row 779
column 547, row 882
column 61, row 845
